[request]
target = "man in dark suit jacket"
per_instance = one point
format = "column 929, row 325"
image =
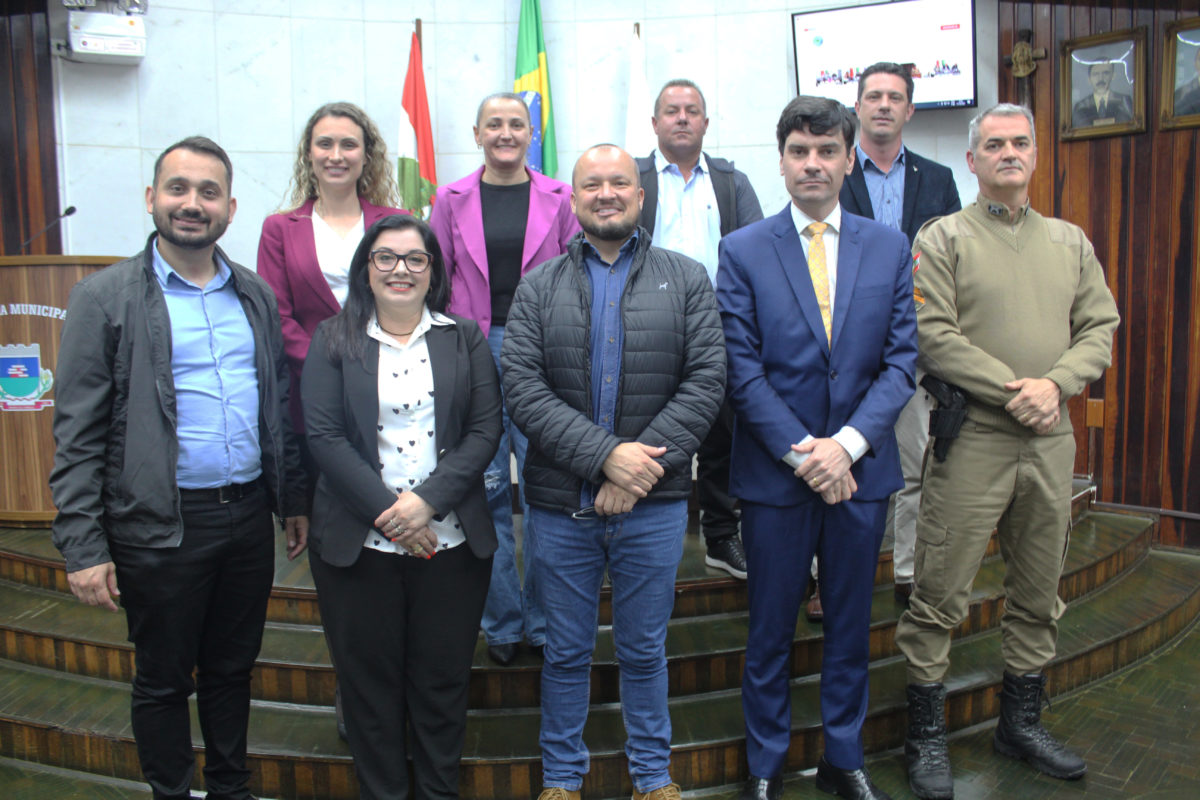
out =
column 927, row 187
column 820, row 332
column 893, row 185
column 1103, row 106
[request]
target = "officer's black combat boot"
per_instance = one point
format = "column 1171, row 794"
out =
column 925, row 743
column 1020, row 733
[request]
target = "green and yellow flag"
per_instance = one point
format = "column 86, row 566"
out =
column 533, row 84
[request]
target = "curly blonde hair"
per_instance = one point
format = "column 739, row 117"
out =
column 377, row 184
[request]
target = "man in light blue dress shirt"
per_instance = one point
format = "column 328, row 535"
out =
column 174, row 448
column 692, row 200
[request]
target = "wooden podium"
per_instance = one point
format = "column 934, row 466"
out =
column 33, row 305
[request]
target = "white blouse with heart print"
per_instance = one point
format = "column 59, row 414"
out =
column 407, row 444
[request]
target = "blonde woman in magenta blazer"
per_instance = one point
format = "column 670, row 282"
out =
column 341, row 165
column 501, row 187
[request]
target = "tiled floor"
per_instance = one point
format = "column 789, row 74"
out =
column 1139, row 732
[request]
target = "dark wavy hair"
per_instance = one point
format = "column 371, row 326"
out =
column 820, row 116
column 347, row 333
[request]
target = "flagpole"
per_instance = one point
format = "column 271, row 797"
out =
column 420, row 41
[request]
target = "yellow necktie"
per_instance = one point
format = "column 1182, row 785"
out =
column 820, row 275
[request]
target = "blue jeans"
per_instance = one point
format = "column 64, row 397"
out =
column 510, row 614
column 641, row 550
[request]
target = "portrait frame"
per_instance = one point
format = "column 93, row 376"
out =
column 1102, row 88
column 1181, row 57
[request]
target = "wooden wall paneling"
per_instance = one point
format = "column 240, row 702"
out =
column 1151, row 263
column 46, row 137
column 1044, row 109
column 24, row 97
column 1137, row 198
column 24, row 118
column 1184, row 351
column 29, row 174
column 10, row 207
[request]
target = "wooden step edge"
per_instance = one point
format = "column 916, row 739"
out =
column 28, row 780
column 514, row 687
column 706, row 764
column 697, row 595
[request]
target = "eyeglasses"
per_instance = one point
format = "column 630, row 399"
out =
column 415, row 261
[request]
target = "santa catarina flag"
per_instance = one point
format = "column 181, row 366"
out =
column 417, row 172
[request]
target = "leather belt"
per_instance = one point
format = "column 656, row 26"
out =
column 221, row 494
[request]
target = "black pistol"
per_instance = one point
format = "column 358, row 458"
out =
column 947, row 419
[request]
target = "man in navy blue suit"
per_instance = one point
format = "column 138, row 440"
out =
column 820, row 329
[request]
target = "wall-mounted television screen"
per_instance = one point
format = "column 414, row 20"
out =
column 935, row 39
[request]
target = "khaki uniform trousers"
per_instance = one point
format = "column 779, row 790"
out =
column 1020, row 484
column 912, row 435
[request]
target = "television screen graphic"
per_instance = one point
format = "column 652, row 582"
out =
column 935, row 39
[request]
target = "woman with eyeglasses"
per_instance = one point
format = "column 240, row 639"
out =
column 402, row 406
column 495, row 225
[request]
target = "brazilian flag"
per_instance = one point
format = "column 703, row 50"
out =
column 533, row 84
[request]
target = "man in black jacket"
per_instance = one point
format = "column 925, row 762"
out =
column 692, row 200
column 614, row 368
column 173, row 448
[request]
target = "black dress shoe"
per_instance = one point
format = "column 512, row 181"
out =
column 762, row 789
column 503, row 654
column 853, row 784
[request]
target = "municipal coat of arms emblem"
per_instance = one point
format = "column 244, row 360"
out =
column 23, row 381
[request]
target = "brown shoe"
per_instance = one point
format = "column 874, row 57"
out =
column 813, row 610
column 903, row 591
column 558, row 793
column 668, row 792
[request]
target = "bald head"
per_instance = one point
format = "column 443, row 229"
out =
column 606, row 195
column 605, row 152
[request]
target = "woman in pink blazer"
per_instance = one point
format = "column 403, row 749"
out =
column 495, row 225
column 341, row 185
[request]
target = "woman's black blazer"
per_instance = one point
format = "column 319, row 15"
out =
column 341, row 415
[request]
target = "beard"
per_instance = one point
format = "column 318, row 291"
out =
column 612, row 230
column 189, row 241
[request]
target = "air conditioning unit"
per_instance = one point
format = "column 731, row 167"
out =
column 105, row 38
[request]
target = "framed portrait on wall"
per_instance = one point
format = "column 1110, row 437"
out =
column 1181, row 75
column 1102, row 89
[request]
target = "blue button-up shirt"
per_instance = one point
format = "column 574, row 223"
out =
column 687, row 219
column 885, row 189
column 216, row 384
column 607, row 335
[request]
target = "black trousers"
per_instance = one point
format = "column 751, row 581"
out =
column 199, row 606
column 718, row 510
column 403, row 633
